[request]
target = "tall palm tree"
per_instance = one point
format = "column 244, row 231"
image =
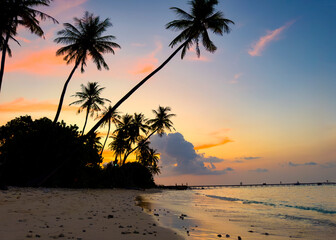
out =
column 113, row 118
column 159, row 124
column 90, row 99
column 194, row 27
column 16, row 13
column 84, row 40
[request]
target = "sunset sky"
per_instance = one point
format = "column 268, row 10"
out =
column 262, row 108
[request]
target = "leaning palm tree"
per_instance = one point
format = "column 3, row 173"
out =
column 16, row 13
column 90, row 99
column 84, row 41
column 159, row 124
column 113, row 118
column 194, row 28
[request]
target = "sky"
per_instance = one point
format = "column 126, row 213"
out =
column 262, row 108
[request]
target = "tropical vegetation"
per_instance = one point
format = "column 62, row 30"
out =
column 84, row 40
column 43, row 152
column 36, row 153
column 90, row 99
column 133, row 132
column 194, row 28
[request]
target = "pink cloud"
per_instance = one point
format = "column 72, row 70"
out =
column 39, row 62
column 259, row 46
column 235, row 78
column 60, row 6
column 22, row 39
column 147, row 63
column 25, row 105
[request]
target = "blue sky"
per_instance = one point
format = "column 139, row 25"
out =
column 269, row 88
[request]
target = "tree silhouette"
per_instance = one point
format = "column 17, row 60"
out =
column 90, row 100
column 113, row 118
column 136, row 126
column 121, row 138
column 194, row 27
column 148, row 157
column 16, row 13
column 158, row 124
column 84, row 40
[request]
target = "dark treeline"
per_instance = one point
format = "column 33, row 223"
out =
column 31, row 152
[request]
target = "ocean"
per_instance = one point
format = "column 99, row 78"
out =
column 261, row 212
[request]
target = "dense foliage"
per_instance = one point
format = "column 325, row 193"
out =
column 40, row 153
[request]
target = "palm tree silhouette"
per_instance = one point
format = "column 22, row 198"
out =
column 148, row 157
column 84, row 40
column 15, row 13
column 113, row 118
column 122, row 137
column 161, row 121
column 158, row 124
column 90, row 100
column 194, row 26
column 137, row 125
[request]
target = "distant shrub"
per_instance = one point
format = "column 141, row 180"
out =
column 129, row 175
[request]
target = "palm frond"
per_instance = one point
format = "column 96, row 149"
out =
column 194, row 25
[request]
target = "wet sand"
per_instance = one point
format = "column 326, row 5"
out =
column 28, row 213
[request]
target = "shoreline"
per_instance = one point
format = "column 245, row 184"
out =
column 47, row 213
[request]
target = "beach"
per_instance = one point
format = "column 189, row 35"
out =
column 46, row 213
column 255, row 213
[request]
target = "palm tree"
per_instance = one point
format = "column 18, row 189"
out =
column 113, row 118
column 84, row 40
column 159, row 124
column 90, row 100
column 121, row 137
column 15, row 13
column 148, row 157
column 161, row 121
column 137, row 125
column 194, row 28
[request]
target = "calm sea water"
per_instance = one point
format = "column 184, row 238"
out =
column 279, row 212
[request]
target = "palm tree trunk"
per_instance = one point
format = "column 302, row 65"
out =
column 139, row 145
column 86, row 118
column 63, row 92
column 3, row 58
column 108, row 132
column 135, row 88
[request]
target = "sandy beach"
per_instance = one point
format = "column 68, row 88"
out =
column 76, row 214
